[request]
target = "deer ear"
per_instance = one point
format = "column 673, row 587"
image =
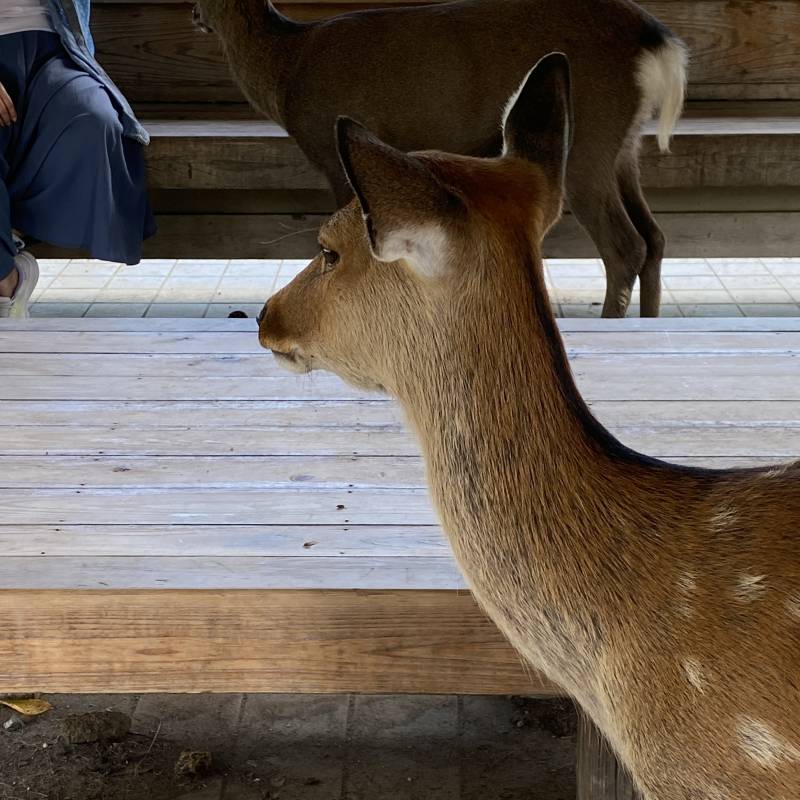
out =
column 537, row 124
column 407, row 211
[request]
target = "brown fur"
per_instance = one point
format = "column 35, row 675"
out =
column 665, row 599
column 438, row 77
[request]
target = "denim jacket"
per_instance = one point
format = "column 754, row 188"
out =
column 70, row 19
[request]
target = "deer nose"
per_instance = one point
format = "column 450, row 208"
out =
column 262, row 314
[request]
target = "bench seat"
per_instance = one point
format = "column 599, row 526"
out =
column 730, row 187
column 180, row 515
column 714, row 146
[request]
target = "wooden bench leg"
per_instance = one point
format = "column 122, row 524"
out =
column 600, row 775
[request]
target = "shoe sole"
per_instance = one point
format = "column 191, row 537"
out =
column 29, row 277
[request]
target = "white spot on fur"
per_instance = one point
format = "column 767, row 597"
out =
column 750, row 588
column 793, row 605
column 763, row 745
column 694, row 674
column 426, row 248
column 661, row 75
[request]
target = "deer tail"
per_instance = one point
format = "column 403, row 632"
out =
column 661, row 75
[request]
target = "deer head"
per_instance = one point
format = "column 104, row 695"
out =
column 431, row 244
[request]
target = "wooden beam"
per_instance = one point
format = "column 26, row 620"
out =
column 717, row 150
column 255, row 641
column 600, row 776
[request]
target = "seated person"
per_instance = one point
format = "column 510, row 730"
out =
column 72, row 170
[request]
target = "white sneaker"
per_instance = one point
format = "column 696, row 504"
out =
column 28, row 271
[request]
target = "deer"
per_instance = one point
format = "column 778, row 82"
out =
column 438, row 77
column 664, row 599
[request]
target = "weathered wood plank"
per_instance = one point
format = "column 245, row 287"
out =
column 246, row 342
column 672, row 441
column 255, row 641
column 191, row 506
column 221, row 573
column 262, row 366
column 600, row 377
column 256, row 472
column 675, row 386
column 92, row 440
column 364, row 415
column 212, row 472
column 717, row 150
column 196, row 325
column 306, row 541
column 740, row 49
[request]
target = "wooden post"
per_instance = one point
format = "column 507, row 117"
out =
column 600, row 775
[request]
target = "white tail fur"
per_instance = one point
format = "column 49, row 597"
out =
column 662, row 77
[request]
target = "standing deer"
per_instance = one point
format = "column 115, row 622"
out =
column 438, row 77
column 664, row 599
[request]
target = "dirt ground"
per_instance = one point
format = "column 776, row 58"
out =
column 270, row 747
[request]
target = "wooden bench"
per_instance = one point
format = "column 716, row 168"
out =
column 179, row 515
column 227, row 185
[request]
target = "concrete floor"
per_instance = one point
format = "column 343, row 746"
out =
column 281, row 747
column 185, row 288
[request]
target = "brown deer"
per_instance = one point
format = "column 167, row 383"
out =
column 664, row 599
column 439, row 76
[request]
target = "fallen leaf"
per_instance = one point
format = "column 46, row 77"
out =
column 30, row 708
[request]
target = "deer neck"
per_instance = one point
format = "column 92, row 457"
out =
column 260, row 45
column 521, row 474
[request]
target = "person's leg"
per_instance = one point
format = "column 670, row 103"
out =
column 77, row 182
column 8, row 271
column 10, row 68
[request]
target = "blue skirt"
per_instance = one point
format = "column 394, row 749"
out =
column 67, row 174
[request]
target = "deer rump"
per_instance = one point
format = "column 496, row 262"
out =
column 439, row 77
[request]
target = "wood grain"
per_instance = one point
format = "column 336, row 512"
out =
column 221, row 541
column 672, row 441
column 256, row 472
column 601, row 377
column 600, row 776
column 254, row 641
column 245, row 342
column 741, row 326
column 715, row 150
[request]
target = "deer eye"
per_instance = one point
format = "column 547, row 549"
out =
column 329, row 258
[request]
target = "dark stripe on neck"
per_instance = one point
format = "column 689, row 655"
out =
column 576, row 405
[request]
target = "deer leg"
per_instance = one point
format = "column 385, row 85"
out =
column 621, row 247
column 630, row 190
